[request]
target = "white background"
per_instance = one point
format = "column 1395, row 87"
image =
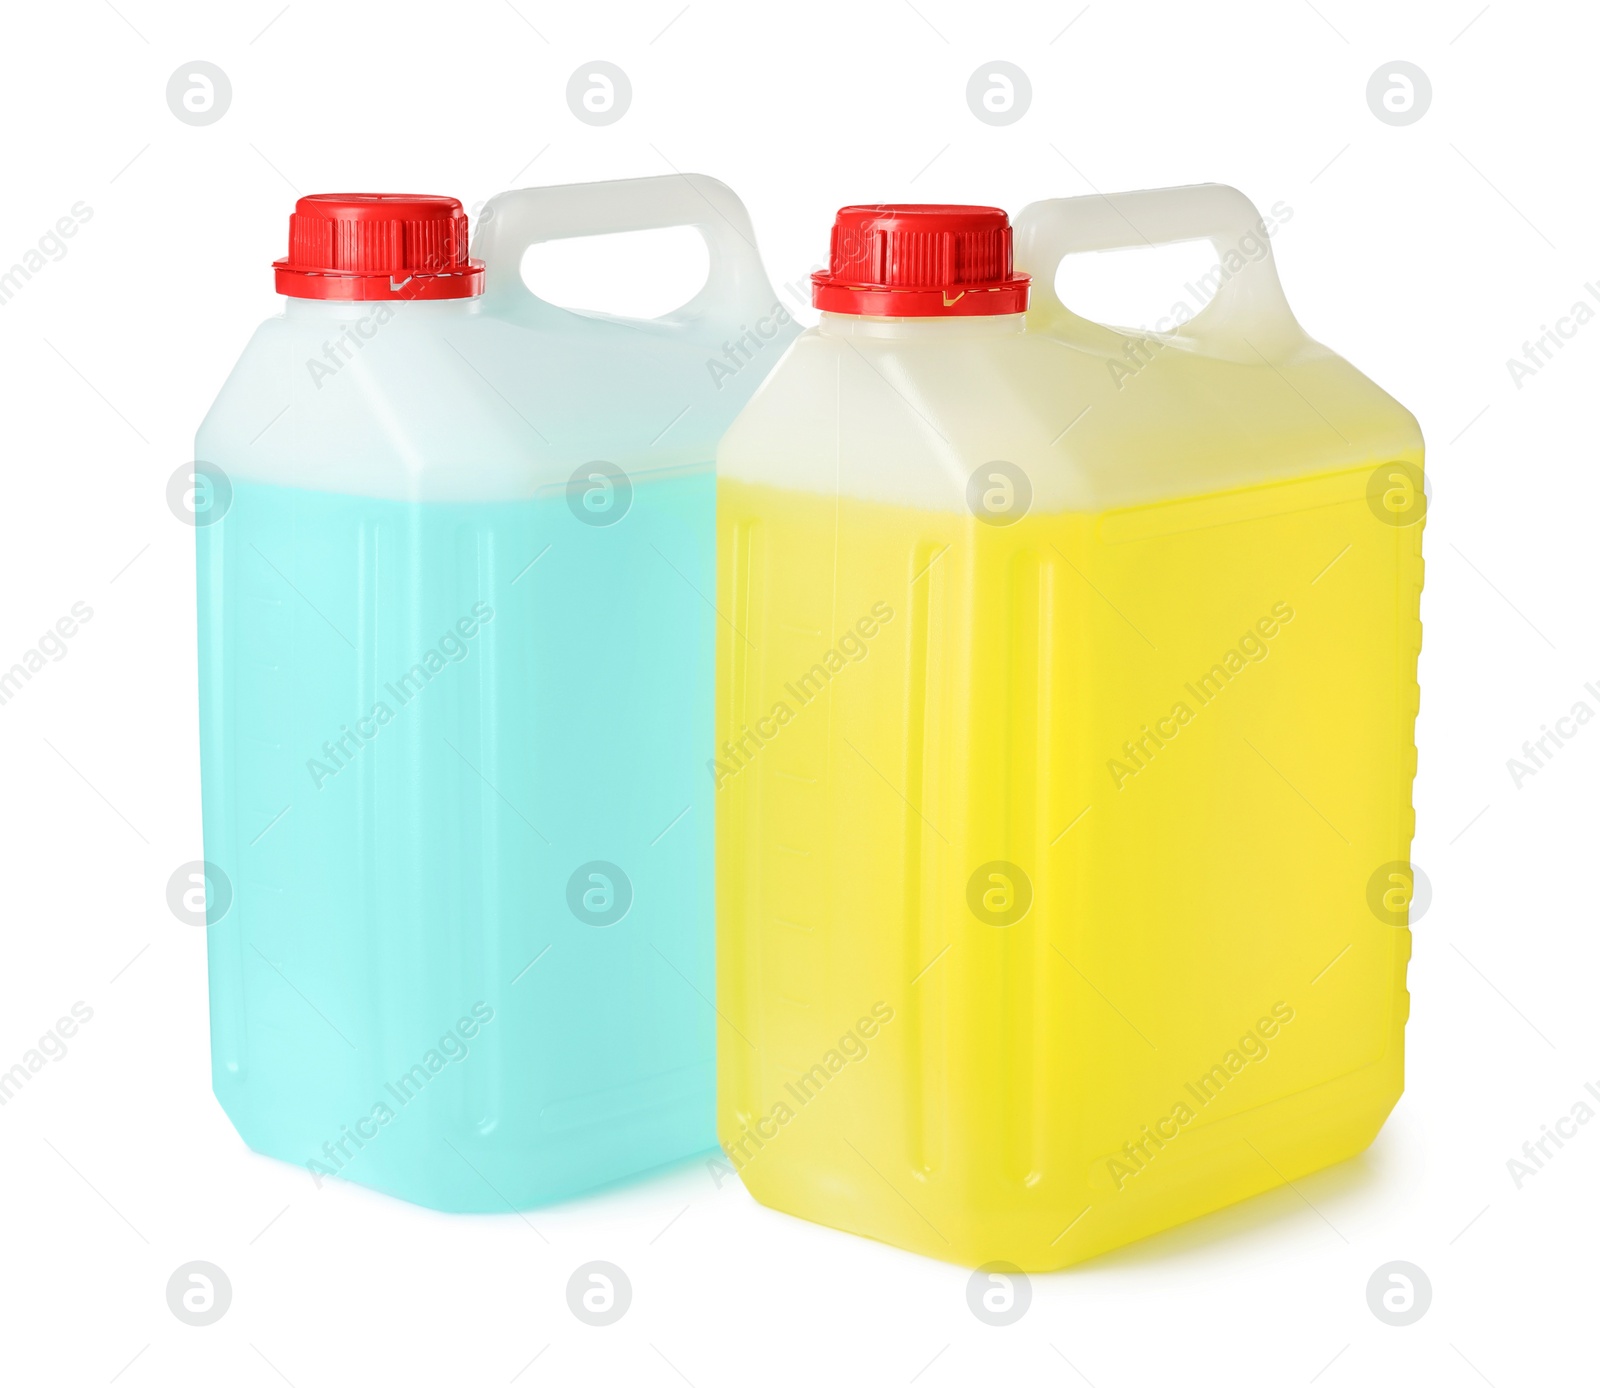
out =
column 1427, row 254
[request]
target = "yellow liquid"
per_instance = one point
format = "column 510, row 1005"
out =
column 1052, row 707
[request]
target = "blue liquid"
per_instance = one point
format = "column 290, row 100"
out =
column 418, row 722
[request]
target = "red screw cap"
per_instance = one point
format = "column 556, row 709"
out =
column 378, row 246
column 920, row 260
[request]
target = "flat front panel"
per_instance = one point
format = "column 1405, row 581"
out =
column 453, row 759
column 1090, row 805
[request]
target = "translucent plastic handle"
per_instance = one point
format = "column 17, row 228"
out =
column 736, row 290
column 1248, row 313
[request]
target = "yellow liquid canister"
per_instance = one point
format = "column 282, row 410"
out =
column 1066, row 682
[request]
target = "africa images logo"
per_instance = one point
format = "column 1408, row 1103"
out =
column 740, row 751
column 1252, row 649
column 1251, row 1049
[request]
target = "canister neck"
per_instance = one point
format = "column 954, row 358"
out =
column 381, row 309
column 923, row 329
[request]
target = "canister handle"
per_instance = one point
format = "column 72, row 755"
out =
column 736, row 290
column 1248, row 313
